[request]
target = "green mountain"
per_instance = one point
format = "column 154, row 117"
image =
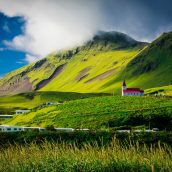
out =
column 83, row 69
column 153, row 66
column 99, row 65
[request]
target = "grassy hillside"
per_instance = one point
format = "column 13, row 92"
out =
column 102, row 112
column 8, row 104
column 100, row 65
column 26, row 79
column 96, row 63
column 89, row 71
column 82, row 69
column 166, row 90
column 153, row 66
column 104, row 71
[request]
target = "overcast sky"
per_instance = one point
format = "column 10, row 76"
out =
column 45, row 26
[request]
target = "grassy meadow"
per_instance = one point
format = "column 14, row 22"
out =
column 8, row 104
column 85, row 151
column 107, row 112
column 71, row 157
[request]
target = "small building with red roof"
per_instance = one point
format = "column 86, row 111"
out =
column 131, row 91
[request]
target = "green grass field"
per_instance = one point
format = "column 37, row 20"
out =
column 166, row 90
column 8, row 104
column 102, row 113
column 72, row 157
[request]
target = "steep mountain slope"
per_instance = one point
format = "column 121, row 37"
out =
column 82, row 69
column 153, row 66
column 96, row 63
column 27, row 78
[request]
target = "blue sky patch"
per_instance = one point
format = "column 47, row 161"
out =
column 9, row 28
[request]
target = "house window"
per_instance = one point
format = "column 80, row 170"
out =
column 8, row 129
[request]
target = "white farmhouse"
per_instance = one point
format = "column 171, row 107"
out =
column 7, row 128
column 131, row 91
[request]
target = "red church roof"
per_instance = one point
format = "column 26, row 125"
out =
column 132, row 90
column 129, row 90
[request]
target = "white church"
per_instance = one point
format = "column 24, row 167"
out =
column 131, row 91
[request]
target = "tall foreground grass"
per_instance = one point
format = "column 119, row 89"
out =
column 69, row 157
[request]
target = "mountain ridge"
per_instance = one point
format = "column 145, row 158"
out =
column 97, row 66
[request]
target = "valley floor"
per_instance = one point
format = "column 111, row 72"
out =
column 100, row 148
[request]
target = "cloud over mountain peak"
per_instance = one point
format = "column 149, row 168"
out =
column 55, row 24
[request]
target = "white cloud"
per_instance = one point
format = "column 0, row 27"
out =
column 57, row 24
column 30, row 59
column 53, row 24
